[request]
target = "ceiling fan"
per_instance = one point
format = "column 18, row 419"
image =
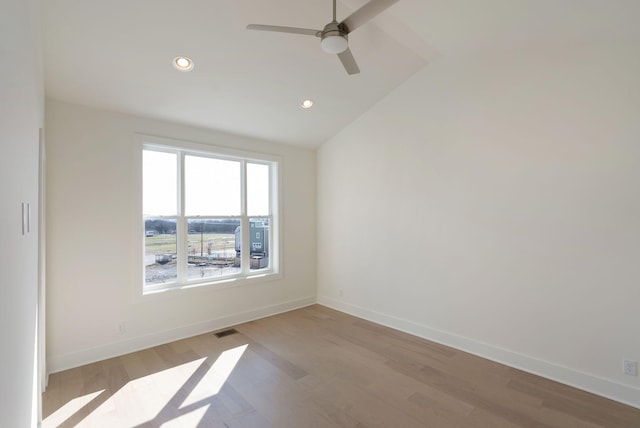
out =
column 334, row 36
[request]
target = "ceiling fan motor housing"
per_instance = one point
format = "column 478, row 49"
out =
column 334, row 40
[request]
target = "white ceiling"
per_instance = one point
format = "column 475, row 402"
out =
column 117, row 55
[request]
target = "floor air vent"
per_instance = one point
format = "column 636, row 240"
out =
column 226, row 332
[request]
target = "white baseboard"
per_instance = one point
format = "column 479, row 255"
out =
column 604, row 387
column 58, row 363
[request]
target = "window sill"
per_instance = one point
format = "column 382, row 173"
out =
column 209, row 285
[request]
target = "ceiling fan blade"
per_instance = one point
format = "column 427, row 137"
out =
column 366, row 13
column 349, row 62
column 279, row 29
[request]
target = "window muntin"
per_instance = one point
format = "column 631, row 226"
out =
column 211, row 203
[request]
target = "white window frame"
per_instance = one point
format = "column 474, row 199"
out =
column 182, row 149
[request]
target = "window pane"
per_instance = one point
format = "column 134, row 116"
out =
column 160, row 251
column 213, row 248
column 257, row 189
column 212, row 186
column 259, row 242
column 159, row 183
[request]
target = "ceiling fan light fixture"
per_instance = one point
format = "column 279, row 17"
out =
column 334, row 43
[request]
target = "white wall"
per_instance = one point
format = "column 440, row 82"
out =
column 21, row 112
column 90, row 273
column 492, row 203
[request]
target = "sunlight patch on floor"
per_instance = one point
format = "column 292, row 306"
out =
column 65, row 412
column 143, row 398
column 191, row 419
column 140, row 400
column 156, row 396
column 216, row 376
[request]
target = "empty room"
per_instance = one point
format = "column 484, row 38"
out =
column 319, row 213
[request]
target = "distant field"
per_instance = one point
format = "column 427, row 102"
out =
column 166, row 244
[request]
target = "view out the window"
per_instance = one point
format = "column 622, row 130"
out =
column 200, row 212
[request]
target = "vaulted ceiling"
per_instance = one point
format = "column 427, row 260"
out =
column 117, row 55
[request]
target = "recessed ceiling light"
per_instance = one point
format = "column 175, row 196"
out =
column 183, row 63
column 306, row 104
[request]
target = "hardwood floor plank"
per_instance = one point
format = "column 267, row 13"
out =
column 579, row 404
column 273, row 358
column 316, row 367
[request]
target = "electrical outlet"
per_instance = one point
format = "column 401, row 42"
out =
column 122, row 327
column 630, row 368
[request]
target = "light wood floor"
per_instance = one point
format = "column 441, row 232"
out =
column 316, row 367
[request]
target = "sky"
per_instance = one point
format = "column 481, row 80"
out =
column 212, row 186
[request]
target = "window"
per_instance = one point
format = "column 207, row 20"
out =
column 200, row 210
